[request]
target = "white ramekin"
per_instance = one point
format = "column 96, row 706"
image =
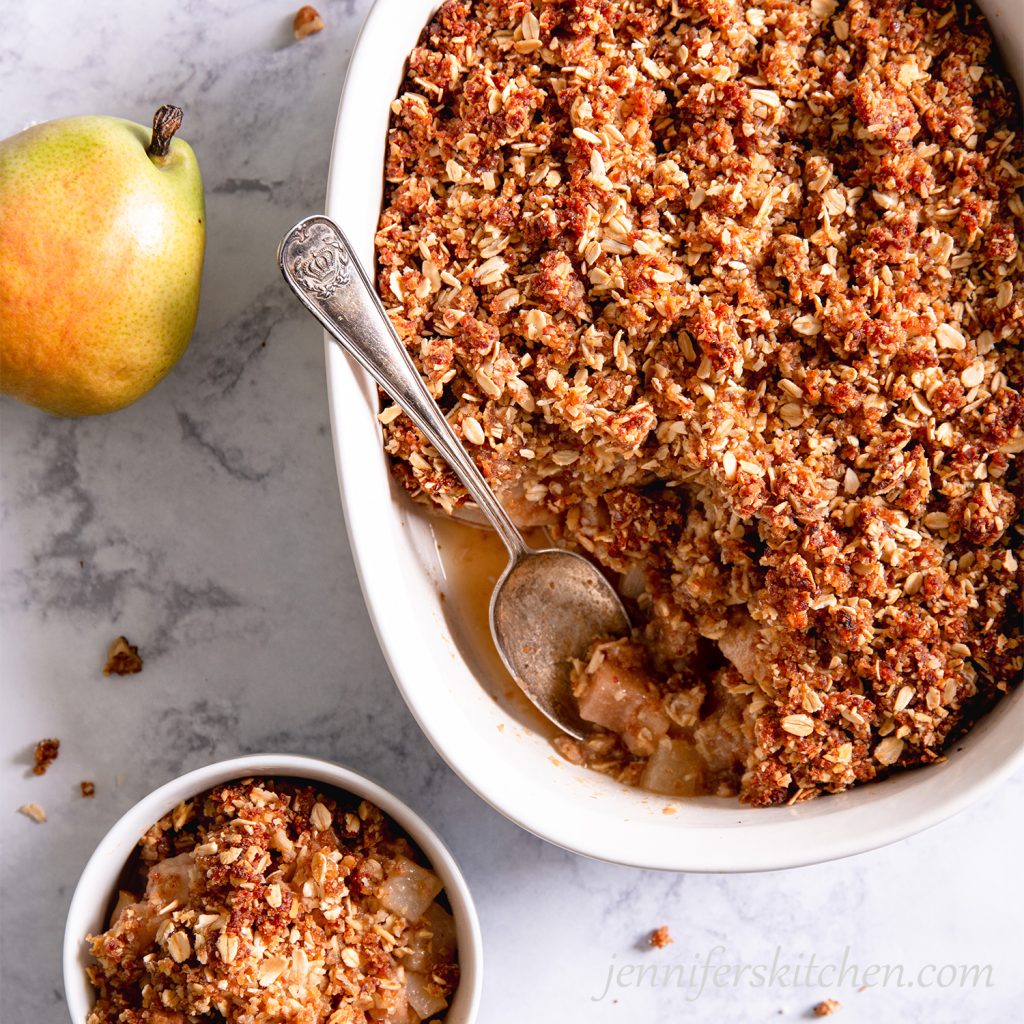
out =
column 96, row 887
column 460, row 704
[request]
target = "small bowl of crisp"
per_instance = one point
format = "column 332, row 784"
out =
column 272, row 887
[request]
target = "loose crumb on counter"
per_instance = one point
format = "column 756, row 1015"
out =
column 307, row 22
column 827, row 1007
column 33, row 811
column 122, row 659
column 88, row 788
column 45, row 754
column 661, row 937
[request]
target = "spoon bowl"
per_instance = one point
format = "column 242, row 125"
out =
column 547, row 608
column 549, row 605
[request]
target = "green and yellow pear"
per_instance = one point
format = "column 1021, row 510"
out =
column 102, row 231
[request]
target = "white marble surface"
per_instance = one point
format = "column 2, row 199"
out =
column 204, row 522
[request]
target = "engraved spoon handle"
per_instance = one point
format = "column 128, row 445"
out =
column 320, row 266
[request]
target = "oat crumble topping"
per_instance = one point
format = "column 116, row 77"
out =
column 660, row 937
column 827, row 1007
column 730, row 297
column 270, row 901
column 88, row 789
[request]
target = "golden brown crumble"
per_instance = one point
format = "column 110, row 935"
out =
column 44, row 755
column 270, row 901
column 122, row 659
column 306, row 22
column 88, row 788
column 827, row 1007
column 730, row 298
column 660, row 937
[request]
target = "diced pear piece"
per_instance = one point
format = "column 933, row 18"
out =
column 424, row 995
column 409, row 889
column 615, row 692
column 675, row 769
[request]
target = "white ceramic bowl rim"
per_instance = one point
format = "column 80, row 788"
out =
column 95, row 888
column 478, row 735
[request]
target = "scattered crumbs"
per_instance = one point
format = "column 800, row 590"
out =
column 826, row 1007
column 45, row 755
column 88, row 788
column 122, row 659
column 33, row 811
column 660, row 937
column 501, row 727
column 670, row 809
column 307, row 22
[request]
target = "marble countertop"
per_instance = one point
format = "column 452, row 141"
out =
column 204, row 522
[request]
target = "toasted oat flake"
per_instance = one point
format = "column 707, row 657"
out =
column 888, row 750
column 320, row 817
column 973, row 375
column 472, row 430
column 807, row 325
column 33, row 811
column 179, row 947
column 798, row 725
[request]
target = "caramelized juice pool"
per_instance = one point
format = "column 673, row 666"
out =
column 472, row 558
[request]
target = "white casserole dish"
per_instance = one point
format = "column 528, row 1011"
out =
column 97, row 886
column 472, row 726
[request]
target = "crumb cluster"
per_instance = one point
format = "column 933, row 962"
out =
column 122, row 659
column 730, row 297
column 267, row 900
column 44, row 755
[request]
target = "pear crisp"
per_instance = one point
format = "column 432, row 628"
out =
column 123, row 659
column 267, row 901
column 730, row 297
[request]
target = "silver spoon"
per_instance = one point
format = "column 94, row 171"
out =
column 548, row 605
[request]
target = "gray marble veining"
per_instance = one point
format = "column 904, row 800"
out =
column 204, row 522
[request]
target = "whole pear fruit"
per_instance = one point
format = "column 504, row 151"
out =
column 102, row 231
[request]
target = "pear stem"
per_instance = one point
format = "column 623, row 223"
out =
column 166, row 121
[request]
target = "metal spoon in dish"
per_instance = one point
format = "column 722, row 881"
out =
column 549, row 605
